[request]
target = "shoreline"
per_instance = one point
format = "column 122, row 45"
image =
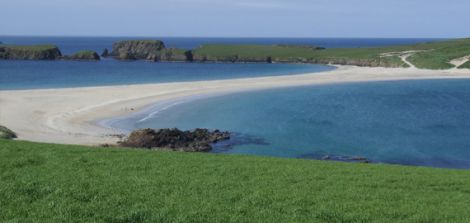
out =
column 72, row 115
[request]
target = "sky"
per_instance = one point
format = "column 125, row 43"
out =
column 237, row 18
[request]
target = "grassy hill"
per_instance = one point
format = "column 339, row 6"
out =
column 432, row 55
column 63, row 183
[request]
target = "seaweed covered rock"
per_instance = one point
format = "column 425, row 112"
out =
column 6, row 133
column 198, row 140
column 29, row 52
column 83, row 55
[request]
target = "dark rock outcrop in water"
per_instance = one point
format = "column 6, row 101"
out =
column 152, row 50
column 318, row 156
column 105, row 53
column 34, row 52
column 83, row 55
column 198, row 140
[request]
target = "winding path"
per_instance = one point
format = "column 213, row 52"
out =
column 460, row 61
column 403, row 55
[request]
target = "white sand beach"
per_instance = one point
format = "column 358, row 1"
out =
column 70, row 115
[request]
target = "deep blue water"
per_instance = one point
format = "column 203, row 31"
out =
column 424, row 122
column 57, row 74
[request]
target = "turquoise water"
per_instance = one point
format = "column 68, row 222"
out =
column 424, row 122
column 406, row 122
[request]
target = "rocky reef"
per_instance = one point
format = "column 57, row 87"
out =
column 341, row 158
column 33, row 52
column 152, row 50
column 197, row 140
column 85, row 55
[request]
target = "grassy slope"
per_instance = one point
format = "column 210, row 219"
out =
column 465, row 65
column 46, row 182
column 441, row 53
column 254, row 52
column 436, row 56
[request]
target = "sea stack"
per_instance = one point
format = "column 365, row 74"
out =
column 105, row 53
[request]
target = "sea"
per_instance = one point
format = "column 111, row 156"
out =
column 418, row 122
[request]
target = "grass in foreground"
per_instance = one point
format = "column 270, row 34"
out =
column 63, row 183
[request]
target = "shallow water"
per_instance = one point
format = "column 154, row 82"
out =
column 425, row 122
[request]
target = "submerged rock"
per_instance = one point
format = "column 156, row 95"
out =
column 318, row 156
column 198, row 140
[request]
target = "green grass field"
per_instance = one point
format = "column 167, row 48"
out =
column 63, row 183
column 433, row 55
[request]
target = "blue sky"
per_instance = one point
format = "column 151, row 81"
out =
column 237, row 18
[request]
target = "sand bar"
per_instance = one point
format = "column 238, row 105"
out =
column 70, row 115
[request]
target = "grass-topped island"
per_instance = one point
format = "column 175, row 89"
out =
column 426, row 55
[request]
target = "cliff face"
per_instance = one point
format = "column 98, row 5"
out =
column 38, row 52
column 153, row 50
column 137, row 49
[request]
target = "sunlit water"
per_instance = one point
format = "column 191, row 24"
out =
column 424, row 122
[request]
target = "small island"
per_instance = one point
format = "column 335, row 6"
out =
column 85, row 55
column 151, row 50
column 428, row 55
column 35, row 52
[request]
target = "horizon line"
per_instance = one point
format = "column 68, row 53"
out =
column 227, row 37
